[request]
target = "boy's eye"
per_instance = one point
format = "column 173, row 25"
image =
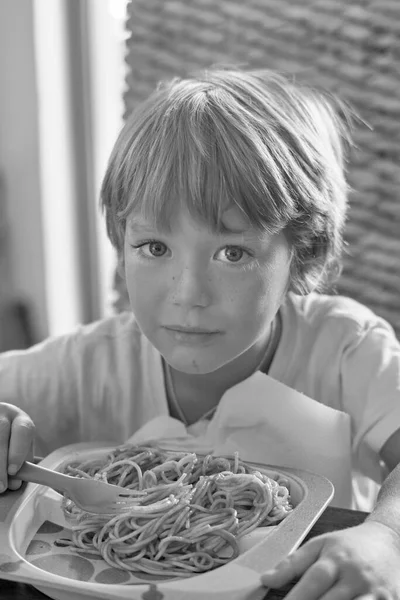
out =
column 232, row 254
column 151, row 249
column 157, row 248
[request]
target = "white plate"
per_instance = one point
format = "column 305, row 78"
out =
column 22, row 515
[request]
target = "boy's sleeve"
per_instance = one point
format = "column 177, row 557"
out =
column 370, row 373
column 43, row 381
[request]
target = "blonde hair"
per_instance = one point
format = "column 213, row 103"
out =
column 249, row 138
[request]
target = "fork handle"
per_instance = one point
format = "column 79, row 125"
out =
column 43, row 476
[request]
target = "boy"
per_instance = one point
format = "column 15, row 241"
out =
column 225, row 198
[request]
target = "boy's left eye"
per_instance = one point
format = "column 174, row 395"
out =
column 232, row 254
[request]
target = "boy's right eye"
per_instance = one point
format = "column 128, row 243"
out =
column 151, row 249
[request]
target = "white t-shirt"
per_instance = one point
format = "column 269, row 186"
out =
column 105, row 380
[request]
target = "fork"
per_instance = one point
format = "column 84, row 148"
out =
column 90, row 495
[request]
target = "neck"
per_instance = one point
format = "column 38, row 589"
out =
column 196, row 393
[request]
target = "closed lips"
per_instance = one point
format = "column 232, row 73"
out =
column 190, row 329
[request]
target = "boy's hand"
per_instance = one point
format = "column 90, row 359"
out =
column 359, row 563
column 17, row 433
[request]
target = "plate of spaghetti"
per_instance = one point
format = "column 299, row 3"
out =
column 188, row 512
column 193, row 526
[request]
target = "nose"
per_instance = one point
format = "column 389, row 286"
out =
column 191, row 287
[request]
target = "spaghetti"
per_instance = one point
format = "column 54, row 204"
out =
column 186, row 512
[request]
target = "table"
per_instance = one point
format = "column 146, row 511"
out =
column 331, row 520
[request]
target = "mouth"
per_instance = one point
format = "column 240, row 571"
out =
column 191, row 330
column 192, row 336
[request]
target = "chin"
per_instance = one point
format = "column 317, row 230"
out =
column 193, row 366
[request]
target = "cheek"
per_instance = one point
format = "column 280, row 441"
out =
column 258, row 292
column 143, row 287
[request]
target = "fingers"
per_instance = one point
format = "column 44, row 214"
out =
column 322, row 582
column 21, row 442
column 334, row 591
column 345, row 591
column 16, row 444
column 378, row 596
column 5, row 429
column 293, row 566
column 320, row 577
column 317, row 580
column 13, row 483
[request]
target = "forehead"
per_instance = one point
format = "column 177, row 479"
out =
column 232, row 221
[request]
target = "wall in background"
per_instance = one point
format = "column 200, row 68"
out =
column 19, row 161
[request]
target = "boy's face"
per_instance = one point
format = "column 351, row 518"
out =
column 202, row 298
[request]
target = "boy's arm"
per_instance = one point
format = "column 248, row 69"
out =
column 360, row 562
column 356, row 563
column 42, row 382
column 387, row 509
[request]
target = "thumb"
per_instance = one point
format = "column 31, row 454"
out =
column 294, row 565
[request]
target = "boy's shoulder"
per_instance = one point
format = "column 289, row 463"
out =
column 319, row 330
column 331, row 311
column 111, row 325
column 115, row 329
